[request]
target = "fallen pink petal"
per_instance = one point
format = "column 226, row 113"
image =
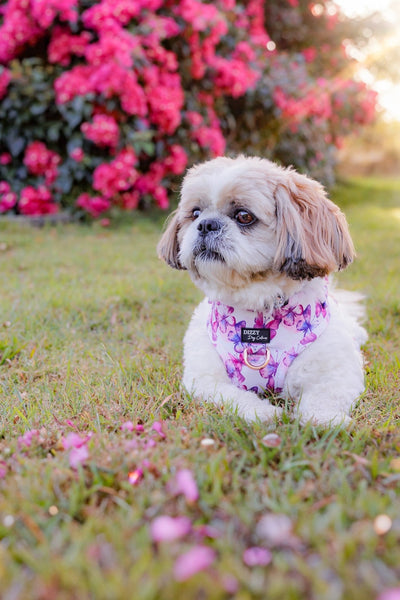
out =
column 157, row 426
column 25, row 440
column 208, row 531
column 185, row 484
column 74, row 440
column 193, row 561
column 127, row 426
column 167, row 529
column 78, row 456
column 390, row 594
column 275, row 529
column 256, row 556
column 134, row 477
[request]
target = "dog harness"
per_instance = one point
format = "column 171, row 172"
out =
column 258, row 348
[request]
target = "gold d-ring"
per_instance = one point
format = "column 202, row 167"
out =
column 248, row 364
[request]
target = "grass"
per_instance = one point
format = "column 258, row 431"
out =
column 90, row 338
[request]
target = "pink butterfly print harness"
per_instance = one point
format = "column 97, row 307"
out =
column 257, row 349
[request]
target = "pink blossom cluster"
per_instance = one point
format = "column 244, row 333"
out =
column 326, row 104
column 63, row 45
column 7, row 197
column 45, row 11
column 93, row 205
column 36, row 201
column 18, row 29
column 161, row 68
column 5, row 78
column 103, row 131
column 41, row 161
column 117, row 176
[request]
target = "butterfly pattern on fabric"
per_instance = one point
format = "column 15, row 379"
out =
column 292, row 328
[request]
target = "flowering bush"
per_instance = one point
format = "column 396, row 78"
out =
column 103, row 104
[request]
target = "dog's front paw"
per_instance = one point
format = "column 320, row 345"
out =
column 256, row 410
column 262, row 413
column 325, row 419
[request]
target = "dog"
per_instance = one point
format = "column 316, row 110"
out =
column 261, row 241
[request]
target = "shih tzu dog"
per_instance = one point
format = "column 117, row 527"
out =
column 260, row 241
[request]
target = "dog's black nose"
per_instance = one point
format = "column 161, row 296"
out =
column 208, row 225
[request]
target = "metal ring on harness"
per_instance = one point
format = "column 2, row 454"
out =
column 248, row 363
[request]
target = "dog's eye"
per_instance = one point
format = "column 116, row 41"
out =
column 196, row 213
column 244, row 217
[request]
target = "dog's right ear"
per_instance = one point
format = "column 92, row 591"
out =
column 168, row 246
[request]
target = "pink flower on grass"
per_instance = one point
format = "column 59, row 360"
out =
column 157, row 426
column 135, row 476
column 390, row 594
column 167, row 529
column 193, row 561
column 127, row 426
column 25, row 441
column 185, row 483
column 78, row 448
column 256, row 556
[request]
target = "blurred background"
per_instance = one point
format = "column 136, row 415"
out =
column 103, row 105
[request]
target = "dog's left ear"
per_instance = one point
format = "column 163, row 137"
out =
column 168, row 246
column 313, row 235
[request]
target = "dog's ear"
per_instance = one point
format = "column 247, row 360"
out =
column 168, row 246
column 313, row 235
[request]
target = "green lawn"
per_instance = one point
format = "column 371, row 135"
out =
column 90, row 340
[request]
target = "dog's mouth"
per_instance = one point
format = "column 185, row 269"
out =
column 206, row 254
column 206, row 251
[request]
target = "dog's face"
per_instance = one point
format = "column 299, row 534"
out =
column 246, row 220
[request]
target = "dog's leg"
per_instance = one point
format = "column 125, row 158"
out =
column 327, row 378
column 205, row 376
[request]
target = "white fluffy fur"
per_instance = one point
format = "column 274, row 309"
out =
column 299, row 237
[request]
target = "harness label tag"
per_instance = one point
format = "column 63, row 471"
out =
column 255, row 336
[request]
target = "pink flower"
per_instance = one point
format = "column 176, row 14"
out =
column 78, row 448
column 7, row 198
column 157, row 426
column 167, row 529
column 176, row 161
column 5, row 157
column 184, row 483
column 5, row 78
column 256, row 556
column 194, row 560
column 77, row 154
column 63, row 45
column 36, row 201
column 78, row 456
column 24, row 441
column 41, row 161
column 390, row 594
column 117, row 176
column 127, row 426
column 94, row 205
column 135, row 476
column 104, row 131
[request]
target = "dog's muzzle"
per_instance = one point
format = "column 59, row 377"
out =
column 209, row 240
